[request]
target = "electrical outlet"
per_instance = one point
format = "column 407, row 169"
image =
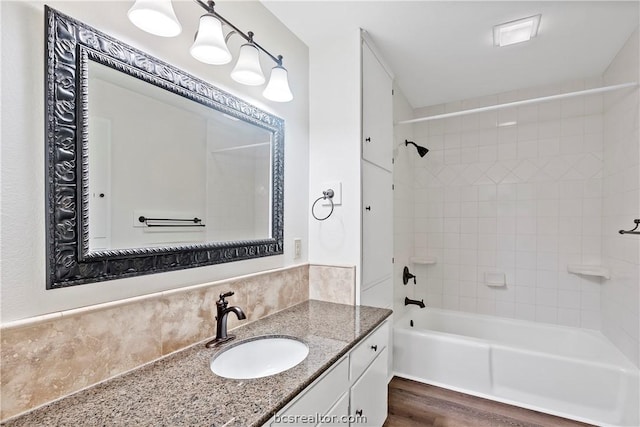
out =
column 297, row 248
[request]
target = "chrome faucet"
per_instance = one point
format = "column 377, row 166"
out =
column 221, row 320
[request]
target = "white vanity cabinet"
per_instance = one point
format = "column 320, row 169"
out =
column 355, row 386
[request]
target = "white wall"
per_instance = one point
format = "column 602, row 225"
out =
column 334, row 80
column 23, row 179
column 621, row 205
column 403, row 230
column 523, row 200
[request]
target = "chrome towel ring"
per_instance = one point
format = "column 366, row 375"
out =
column 328, row 194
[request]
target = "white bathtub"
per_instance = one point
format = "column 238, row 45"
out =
column 570, row 372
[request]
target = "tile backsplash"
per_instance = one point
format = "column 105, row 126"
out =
column 52, row 356
column 332, row 284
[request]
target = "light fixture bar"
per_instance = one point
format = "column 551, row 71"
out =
column 210, row 45
column 209, row 7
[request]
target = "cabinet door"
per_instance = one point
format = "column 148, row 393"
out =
column 377, row 111
column 339, row 414
column 369, row 394
column 318, row 398
column 377, row 225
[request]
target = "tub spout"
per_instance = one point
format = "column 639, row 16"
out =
column 408, row 301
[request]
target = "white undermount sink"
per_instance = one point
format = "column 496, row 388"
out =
column 259, row 357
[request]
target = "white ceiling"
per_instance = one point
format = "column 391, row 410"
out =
column 443, row 51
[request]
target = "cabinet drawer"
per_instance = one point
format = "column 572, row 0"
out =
column 320, row 396
column 367, row 350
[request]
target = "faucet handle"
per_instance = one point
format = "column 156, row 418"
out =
column 226, row 295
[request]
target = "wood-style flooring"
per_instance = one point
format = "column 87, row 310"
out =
column 413, row 404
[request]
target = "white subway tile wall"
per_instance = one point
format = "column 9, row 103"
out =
column 523, row 199
column 620, row 298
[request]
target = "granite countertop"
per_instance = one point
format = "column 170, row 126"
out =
column 181, row 390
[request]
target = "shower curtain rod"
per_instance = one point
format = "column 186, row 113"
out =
column 519, row 103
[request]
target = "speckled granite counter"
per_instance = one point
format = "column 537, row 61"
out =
column 181, row 390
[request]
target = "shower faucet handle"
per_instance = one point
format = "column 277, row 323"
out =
column 406, row 276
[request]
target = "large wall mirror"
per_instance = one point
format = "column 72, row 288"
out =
column 149, row 168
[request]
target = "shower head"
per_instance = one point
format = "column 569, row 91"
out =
column 421, row 150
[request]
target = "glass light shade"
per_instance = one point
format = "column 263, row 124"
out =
column 209, row 46
column 247, row 70
column 156, row 17
column 278, row 87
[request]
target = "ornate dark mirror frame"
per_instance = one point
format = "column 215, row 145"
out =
column 70, row 44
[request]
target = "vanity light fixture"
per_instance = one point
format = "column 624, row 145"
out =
column 248, row 70
column 210, row 45
column 156, row 17
column 518, row 31
column 278, row 87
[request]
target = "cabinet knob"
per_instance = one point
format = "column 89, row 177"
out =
column 374, row 347
column 368, row 139
column 359, row 412
column 101, row 194
column 368, row 208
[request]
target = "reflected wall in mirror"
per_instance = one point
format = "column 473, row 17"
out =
column 155, row 154
column 151, row 169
